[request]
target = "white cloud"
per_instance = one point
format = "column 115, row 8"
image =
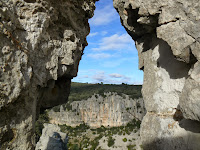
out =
column 92, row 34
column 113, row 78
column 99, row 76
column 99, row 55
column 115, row 75
column 115, row 42
column 104, row 16
column 84, row 76
column 104, row 33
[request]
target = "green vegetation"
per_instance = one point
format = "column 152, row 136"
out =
column 131, row 147
column 111, row 141
column 124, row 139
column 88, row 138
column 76, row 131
column 82, row 136
column 43, row 118
column 82, row 91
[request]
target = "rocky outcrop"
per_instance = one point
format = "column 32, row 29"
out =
column 52, row 138
column 167, row 38
column 42, row 41
column 41, row 44
column 109, row 111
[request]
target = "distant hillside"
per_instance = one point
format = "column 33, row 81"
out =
column 82, row 91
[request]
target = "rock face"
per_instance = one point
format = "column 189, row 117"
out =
column 41, row 44
column 167, row 37
column 111, row 111
column 52, row 138
column 42, row 41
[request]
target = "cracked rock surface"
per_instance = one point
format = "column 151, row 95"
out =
column 167, row 37
column 41, row 44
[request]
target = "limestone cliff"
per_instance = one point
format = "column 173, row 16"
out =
column 167, row 38
column 42, row 41
column 111, row 111
column 41, row 44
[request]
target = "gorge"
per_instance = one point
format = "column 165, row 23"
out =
column 42, row 42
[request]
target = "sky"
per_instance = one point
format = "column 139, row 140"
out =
column 111, row 56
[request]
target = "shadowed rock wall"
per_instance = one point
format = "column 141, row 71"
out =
column 41, row 44
column 167, row 38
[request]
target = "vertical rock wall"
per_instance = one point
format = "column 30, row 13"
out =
column 112, row 110
column 41, row 44
column 167, row 38
column 42, row 41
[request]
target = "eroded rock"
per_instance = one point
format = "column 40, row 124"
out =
column 41, row 45
column 167, row 40
column 42, row 42
column 52, row 138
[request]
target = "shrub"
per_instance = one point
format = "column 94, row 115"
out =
column 130, row 147
column 125, row 139
column 111, row 141
column 75, row 147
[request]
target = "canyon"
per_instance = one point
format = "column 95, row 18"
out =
column 109, row 111
column 42, row 42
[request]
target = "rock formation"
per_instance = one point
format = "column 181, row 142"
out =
column 111, row 111
column 52, row 138
column 167, row 38
column 41, row 44
column 42, row 41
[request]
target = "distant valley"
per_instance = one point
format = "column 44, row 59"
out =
column 96, row 116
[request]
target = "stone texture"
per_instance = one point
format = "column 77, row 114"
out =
column 41, row 44
column 52, row 138
column 166, row 34
column 161, row 131
column 111, row 111
column 42, row 41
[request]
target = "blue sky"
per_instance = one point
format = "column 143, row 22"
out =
column 111, row 56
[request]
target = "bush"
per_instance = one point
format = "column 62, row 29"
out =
column 111, row 141
column 131, row 147
column 75, row 147
column 101, row 129
column 125, row 139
